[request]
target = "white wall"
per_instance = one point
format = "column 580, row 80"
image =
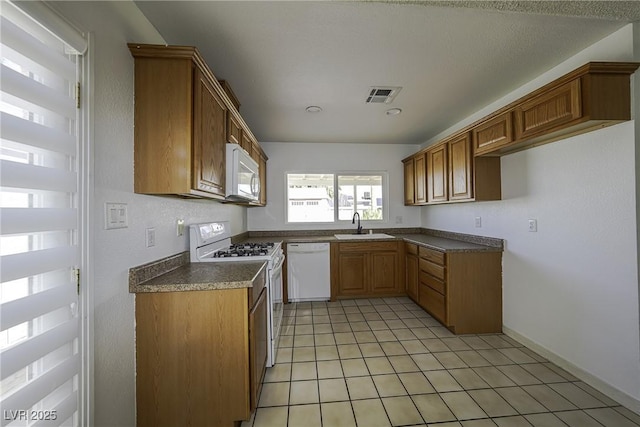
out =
column 310, row 157
column 572, row 287
column 112, row 25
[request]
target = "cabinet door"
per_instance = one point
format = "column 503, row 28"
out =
column 420, row 169
column 409, row 182
column 353, row 275
column 460, row 168
column 412, row 276
column 494, row 134
column 553, row 109
column 384, row 272
column 234, row 131
column 246, row 142
column 209, row 138
column 258, row 342
column 437, row 179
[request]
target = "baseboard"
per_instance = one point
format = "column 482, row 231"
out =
column 618, row 395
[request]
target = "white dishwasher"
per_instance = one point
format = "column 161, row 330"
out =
column 308, row 272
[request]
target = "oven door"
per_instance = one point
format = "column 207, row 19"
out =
column 275, row 314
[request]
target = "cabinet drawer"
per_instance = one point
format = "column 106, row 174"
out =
column 410, row 248
column 433, row 302
column 433, row 283
column 369, row 246
column 431, row 268
column 431, row 255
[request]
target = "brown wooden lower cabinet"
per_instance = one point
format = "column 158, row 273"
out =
column 367, row 269
column 200, row 355
column 411, row 278
column 462, row 290
column 258, row 342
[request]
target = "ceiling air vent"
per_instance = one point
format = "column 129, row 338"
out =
column 382, row 94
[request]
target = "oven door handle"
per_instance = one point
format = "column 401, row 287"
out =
column 278, row 265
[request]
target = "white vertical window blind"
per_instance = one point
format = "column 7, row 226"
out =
column 39, row 221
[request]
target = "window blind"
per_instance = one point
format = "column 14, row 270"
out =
column 39, row 216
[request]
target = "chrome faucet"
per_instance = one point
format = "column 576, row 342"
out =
column 353, row 221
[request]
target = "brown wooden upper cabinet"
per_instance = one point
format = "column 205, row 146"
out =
column 183, row 119
column 493, row 134
column 437, row 179
column 409, row 185
column 460, row 168
column 466, row 165
column 554, row 108
column 451, row 174
column 593, row 96
column 234, row 130
column 209, row 137
column 415, row 180
column 180, row 124
column 454, row 175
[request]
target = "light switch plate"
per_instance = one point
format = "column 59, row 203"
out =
column 115, row 215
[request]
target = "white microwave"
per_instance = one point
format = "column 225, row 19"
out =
column 242, row 177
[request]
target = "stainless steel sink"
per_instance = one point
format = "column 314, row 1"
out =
column 363, row 236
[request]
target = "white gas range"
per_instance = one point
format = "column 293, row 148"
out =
column 211, row 242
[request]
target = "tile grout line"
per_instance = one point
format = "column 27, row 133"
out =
column 402, row 317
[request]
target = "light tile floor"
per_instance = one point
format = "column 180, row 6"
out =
column 385, row 362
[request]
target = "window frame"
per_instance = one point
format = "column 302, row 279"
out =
column 336, row 174
column 42, row 20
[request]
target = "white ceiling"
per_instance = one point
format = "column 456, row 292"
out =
column 451, row 58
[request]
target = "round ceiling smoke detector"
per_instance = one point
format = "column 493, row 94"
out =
column 313, row 109
column 393, row 112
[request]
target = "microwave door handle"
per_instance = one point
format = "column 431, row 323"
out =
column 255, row 184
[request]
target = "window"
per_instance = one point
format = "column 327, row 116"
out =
column 40, row 209
column 310, row 197
column 362, row 194
column 313, row 197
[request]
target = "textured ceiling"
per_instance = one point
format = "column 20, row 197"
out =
column 451, row 58
column 627, row 11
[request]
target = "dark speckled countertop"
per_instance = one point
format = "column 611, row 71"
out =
column 176, row 274
column 435, row 239
column 443, row 244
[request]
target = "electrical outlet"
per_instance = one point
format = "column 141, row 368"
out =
column 180, row 227
column 151, row 237
column 533, row 225
column 399, row 219
column 478, row 222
